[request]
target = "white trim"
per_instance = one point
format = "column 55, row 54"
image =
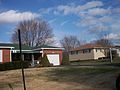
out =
column 22, row 50
column 10, row 56
column 41, row 51
column 1, row 58
column 50, row 48
column 15, row 51
column 54, row 48
column 6, row 47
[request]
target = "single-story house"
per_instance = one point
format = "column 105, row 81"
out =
column 117, row 49
column 11, row 52
column 89, row 51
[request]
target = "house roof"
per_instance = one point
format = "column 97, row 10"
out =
column 90, row 46
column 25, row 47
column 15, row 46
column 117, row 46
column 46, row 47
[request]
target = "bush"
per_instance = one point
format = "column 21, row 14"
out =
column 45, row 62
column 13, row 65
column 65, row 60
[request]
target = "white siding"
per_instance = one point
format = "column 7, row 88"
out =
column 0, row 55
column 82, row 56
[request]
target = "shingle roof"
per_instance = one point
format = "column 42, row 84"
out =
column 25, row 47
column 89, row 46
column 45, row 46
column 117, row 46
column 16, row 46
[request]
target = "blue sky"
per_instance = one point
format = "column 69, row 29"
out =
column 86, row 19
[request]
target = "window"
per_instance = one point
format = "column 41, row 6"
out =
column 72, row 52
column 80, row 51
column 86, row 50
column 76, row 52
column 98, row 50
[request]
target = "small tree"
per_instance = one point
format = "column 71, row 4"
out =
column 65, row 60
column 45, row 62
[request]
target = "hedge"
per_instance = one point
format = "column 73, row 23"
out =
column 13, row 65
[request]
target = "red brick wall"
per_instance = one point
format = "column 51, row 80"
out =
column 6, row 55
column 51, row 51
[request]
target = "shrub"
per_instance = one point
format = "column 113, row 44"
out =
column 13, row 65
column 45, row 62
column 65, row 60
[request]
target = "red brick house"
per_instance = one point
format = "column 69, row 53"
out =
column 10, row 52
column 5, row 54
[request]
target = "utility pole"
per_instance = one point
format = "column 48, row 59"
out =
column 111, row 56
column 20, row 47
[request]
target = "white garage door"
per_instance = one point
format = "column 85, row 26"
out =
column 0, row 55
column 54, row 59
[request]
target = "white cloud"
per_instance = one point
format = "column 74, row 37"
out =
column 89, row 5
column 106, row 19
column 98, row 11
column 88, row 21
column 71, row 9
column 12, row 16
column 65, row 9
column 93, row 15
column 93, row 4
column 46, row 10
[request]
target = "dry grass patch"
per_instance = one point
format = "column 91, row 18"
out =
column 60, row 78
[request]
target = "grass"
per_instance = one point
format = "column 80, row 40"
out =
column 90, row 62
column 72, row 70
column 61, row 78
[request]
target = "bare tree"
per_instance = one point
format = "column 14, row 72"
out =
column 103, row 42
column 34, row 33
column 70, row 42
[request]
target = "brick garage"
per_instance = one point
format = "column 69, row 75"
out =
column 54, row 55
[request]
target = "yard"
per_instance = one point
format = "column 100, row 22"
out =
column 115, row 61
column 61, row 78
